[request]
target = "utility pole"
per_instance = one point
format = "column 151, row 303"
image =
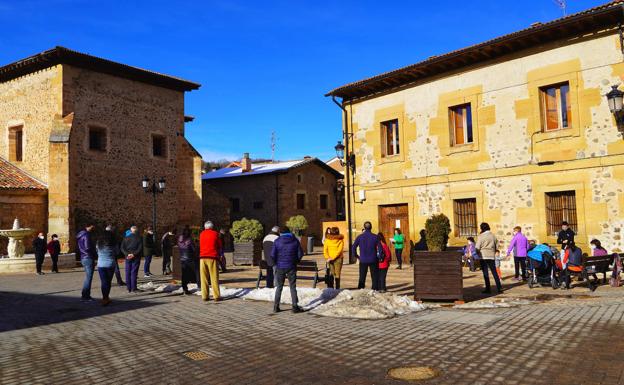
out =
column 273, row 145
column 562, row 4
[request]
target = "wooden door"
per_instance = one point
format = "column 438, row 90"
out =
column 390, row 218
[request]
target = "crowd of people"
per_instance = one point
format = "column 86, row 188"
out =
column 203, row 259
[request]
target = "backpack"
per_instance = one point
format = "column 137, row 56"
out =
column 381, row 255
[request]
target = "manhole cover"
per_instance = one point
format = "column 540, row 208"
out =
column 413, row 373
column 196, row 356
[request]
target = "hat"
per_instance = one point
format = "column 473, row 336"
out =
column 275, row 229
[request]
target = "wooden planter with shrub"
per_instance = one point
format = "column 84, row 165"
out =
column 247, row 234
column 438, row 272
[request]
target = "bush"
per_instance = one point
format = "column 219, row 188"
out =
column 437, row 228
column 297, row 224
column 246, row 230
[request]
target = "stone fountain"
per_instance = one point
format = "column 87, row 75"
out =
column 16, row 239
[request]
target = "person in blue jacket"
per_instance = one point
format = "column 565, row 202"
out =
column 286, row 254
column 367, row 242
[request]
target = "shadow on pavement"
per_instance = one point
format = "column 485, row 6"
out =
column 26, row 310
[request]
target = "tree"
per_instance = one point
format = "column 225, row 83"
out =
column 437, row 228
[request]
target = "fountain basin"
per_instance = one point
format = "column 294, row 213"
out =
column 26, row 264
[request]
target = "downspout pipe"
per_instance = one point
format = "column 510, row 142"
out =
column 347, row 176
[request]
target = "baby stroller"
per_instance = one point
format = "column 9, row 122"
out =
column 542, row 270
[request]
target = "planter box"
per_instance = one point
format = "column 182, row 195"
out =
column 247, row 253
column 438, row 275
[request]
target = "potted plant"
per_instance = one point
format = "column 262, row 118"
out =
column 297, row 224
column 247, row 234
column 438, row 272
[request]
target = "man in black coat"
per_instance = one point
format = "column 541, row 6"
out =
column 565, row 236
column 132, row 249
column 40, row 246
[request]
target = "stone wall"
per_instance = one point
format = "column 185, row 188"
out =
column 500, row 168
column 216, row 207
column 31, row 101
column 31, row 207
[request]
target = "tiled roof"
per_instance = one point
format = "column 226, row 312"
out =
column 12, row 177
column 62, row 55
column 264, row 168
column 605, row 15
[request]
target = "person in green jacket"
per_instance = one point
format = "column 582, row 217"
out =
column 398, row 241
column 149, row 250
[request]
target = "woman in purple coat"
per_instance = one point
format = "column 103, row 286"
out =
column 520, row 246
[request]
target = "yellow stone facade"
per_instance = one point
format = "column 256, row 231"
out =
column 500, row 168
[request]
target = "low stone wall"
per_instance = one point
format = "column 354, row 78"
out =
column 26, row 264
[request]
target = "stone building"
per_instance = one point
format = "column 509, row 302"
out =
column 89, row 130
column 513, row 131
column 272, row 193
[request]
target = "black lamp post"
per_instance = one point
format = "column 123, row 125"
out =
column 151, row 186
column 349, row 161
column 615, row 98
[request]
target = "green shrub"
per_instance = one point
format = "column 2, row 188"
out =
column 246, row 230
column 297, row 224
column 437, row 228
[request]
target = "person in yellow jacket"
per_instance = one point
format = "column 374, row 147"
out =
column 332, row 250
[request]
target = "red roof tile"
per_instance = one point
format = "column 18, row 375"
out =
column 12, row 177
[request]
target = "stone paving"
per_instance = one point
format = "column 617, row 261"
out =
column 48, row 336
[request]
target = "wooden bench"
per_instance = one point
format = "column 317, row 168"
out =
column 310, row 266
column 593, row 266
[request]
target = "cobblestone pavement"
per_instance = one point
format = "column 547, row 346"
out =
column 48, row 336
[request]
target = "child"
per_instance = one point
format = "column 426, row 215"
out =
column 497, row 262
column 54, row 248
column 470, row 254
column 384, row 263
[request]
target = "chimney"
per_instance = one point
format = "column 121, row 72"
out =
column 246, row 163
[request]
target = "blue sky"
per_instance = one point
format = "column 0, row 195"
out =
column 264, row 65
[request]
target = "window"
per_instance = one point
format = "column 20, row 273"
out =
column 560, row 206
column 258, row 205
column 16, row 144
column 461, row 124
column 97, row 139
column 299, row 178
column 465, row 213
column 322, row 179
column 235, row 205
column 300, row 201
column 555, row 107
column 323, row 199
column 159, row 146
column 390, row 137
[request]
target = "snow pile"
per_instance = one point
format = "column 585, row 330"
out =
column 161, row 288
column 225, row 292
column 360, row 304
column 492, row 304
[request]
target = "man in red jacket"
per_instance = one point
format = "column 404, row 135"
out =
column 209, row 251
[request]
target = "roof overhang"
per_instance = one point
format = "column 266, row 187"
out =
column 62, row 55
column 595, row 19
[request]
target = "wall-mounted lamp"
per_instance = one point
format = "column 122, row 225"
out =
column 615, row 98
column 349, row 161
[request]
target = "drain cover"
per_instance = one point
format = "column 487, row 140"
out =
column 196, row 356
column 413, row 373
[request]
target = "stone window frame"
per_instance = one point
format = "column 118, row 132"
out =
column 385, row 115
column 106, row 131
column 299, row 178
column 325, row 193
column 14, row 125
column 447, row 207
column 166, row 145
column 305, row 200
column 574, row 126
column 322, row 179
column 579, row 187
column 449, row 148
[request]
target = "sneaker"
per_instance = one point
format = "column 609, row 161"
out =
column 147, row 275
column 297, row 309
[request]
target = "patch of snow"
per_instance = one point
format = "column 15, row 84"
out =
column 225, row 292
column 491, row 304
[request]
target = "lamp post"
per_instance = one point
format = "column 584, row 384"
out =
column 348, row 163
column 615, row 98
column 154, row 187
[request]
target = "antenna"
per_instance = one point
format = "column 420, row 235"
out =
column 273, row 145
column 561, row 4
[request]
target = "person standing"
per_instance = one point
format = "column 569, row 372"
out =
column 149, row 250
column 367, row 242
column 520, row 247
column 209, row 250
column 107, row 255
column 132, row 249
column 54, row 248
column 186, row 246
column 222, row 261
column 86, row 248
column 166, row 245
column 333, row 248
column 40, row 247
column 487, row 245
column 565, row 236
column 117, row 249
column 398, row 241
column 267, row 248
column 286, row 253
column 384, row 264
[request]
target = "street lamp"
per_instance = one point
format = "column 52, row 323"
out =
column 615, row 98
column 349, row 161
column 151, row 186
